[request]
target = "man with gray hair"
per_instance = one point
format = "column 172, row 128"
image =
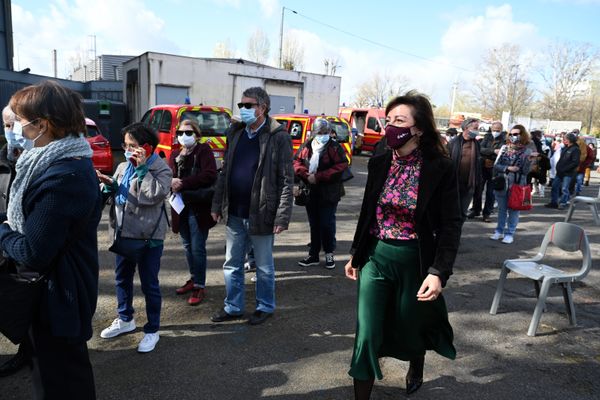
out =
column 254, row 197
column 490, row 147
column 465, row 152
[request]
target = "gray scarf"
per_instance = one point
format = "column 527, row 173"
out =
column 33, row 163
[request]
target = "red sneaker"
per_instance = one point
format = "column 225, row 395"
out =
column 187, row 287
column 197, row 296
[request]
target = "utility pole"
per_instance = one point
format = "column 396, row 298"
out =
column 454, row 87
column 54, row 63
column 593, row 95
column 281, row 35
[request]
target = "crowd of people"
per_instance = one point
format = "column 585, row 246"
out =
column 416, row 199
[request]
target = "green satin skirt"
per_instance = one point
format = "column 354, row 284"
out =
column 390, row 321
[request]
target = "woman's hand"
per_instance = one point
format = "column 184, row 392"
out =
column 176, row 185
column 139, row 155
column 106, row 179
column 312, row 179
column 351, row 272
column 513, row 168
column 216, row 217
column 430, row 288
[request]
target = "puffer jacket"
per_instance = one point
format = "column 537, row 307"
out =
column 271, row 197
column 145, row 203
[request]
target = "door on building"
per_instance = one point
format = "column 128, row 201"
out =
column 171, row 94
column 282, row 104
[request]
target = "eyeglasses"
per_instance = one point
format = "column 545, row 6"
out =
column 246, row 105
column 131, row 147
column 180, row 133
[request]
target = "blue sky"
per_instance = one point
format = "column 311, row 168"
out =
column 451, row 35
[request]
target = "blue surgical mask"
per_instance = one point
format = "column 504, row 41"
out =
column 247, row 115
column 10, row 137
column 322, row 139
column 473, row 134
column 22, row 141
column 128, row 154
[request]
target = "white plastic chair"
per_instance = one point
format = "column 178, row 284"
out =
column 590, row 201
column 567, row 237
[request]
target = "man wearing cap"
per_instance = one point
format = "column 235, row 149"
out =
column 566, row 168
column 490, row 147
column 253, row 195
column 466, row 154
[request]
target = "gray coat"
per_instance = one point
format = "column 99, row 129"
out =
column 145, row 202
column 271, row 202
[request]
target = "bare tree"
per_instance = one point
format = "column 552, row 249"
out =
column 379, row 89
column 292, row 57
column 502, row 84
column 331, row 65
column 566, row 70
column 259, row 47
column 224, row 49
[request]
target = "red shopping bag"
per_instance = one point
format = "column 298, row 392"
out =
column 519, row 198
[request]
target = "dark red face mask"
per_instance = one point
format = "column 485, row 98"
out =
column 396, row 136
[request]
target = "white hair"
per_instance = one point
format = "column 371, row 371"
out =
column 8, row 115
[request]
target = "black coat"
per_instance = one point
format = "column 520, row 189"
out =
column 438, row 218
column 568, row 162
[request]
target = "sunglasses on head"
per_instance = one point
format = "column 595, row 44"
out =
column 246, row 105
column 189, row 133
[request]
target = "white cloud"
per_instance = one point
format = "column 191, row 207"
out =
column 269, row 7
column 120, row 27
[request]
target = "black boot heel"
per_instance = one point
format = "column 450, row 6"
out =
column 414, row 376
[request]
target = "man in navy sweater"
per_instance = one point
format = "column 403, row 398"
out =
column 254, row 196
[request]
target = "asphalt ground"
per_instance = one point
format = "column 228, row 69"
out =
column 304, row 351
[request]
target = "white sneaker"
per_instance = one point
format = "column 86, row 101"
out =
column 148, row 342
column 496, row 236
column 508, row 239
column 117, row 328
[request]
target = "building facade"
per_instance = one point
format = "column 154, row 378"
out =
column 156, row 78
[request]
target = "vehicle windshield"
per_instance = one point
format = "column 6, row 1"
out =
column 212, row 123
column 92, row 131
column 383, row 122
column 341, row 131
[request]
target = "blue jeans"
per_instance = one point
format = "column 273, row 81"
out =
column 560, row 187
column 237, row 237
column 579, row 183
column 321, row 218
column 194, row 244
column 507, row 218
column 149, row 266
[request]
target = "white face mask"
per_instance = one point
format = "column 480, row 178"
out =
column 27, row 144
column 496, row 133
column 186, row 141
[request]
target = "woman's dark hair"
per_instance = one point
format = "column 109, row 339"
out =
column 141, row 133
column 48, row 100
column 430, row 143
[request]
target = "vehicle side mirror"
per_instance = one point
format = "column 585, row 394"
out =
column 377, row 128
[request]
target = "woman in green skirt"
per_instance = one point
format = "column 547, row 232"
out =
column 404, row 247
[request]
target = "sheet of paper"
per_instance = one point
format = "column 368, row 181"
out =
column 176, row 202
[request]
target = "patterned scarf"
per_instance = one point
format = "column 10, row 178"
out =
column 33, row 163
column 317, row 148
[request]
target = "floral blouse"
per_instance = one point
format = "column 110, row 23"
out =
column 395, row 212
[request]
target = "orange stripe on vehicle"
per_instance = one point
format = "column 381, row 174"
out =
column 163, row 146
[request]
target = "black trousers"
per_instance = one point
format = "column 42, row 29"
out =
column 61, row 367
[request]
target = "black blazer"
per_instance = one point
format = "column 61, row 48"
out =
column 438, row 219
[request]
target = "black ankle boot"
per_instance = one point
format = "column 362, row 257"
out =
column 362, row 389
column 414, row 376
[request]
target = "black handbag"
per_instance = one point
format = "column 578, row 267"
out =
column 20, row 296
column 302, row 194
column 499, row 182
column 202, row 195
column 130, row 248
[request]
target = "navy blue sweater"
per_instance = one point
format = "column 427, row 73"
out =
column 243, row 169
column 63, row 205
